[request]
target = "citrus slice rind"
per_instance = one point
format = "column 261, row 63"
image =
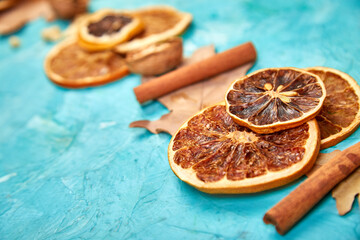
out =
column 340, row 115
column 107, row 28
column 160, row 23
column 275, row 99
column 68, row 65
column 215, row 155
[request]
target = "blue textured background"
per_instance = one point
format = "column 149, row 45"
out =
column 70, row 168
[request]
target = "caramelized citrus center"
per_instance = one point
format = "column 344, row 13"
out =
column 283, row 96
column 214, row 146
column 274, row 96
column 242, row 136
column 108, row 25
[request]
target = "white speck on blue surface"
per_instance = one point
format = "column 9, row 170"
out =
column 103, row 125
column 7, row 177
column 82, row 173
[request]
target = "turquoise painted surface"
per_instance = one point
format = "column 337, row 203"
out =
column 70, row 168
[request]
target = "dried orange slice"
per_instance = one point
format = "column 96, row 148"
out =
column 275, row 99
column 340, row 115
column 107, row 28
column 160, row 23
column 215, row 155
column 69, row 65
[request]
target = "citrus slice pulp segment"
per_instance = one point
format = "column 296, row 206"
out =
column 238, row 168
column 190, row 155
column 69, row 65
column 340, row 115
column 160, row 23
column 246, row 110
column 275, row 99
column 327, row 128
column 230, row 158
column 107, row 28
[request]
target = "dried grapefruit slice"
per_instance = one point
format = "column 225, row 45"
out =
column 160, row 23
column 107, row 28
column 275, row 99
column 214, row 154
column 68, row 65
column 340, row 115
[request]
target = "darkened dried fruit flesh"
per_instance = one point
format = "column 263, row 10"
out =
column 340, row 107
column 214, row 146
column 274, row 95
column 108, row 25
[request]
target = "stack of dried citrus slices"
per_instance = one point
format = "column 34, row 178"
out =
column 87, row 57
column 266, row 133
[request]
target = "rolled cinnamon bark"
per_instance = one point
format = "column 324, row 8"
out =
column 292, row 208
column 196, row 72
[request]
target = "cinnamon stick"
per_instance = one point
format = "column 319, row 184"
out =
column 292, row 208
column 196, row 72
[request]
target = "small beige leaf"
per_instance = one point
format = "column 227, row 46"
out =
column 346, row 191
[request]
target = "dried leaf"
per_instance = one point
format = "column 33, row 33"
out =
column 187, row 101
column 16, row 17
column 346, row 191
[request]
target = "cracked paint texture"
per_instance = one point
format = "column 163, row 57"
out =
column 70, row 168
